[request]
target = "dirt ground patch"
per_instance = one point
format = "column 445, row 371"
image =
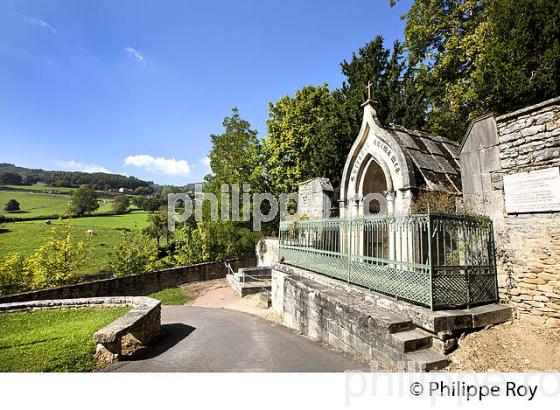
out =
column 509, row 347
column 212, row 293
column 218, row 294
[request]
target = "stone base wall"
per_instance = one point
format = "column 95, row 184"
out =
column 324, row 319
column 136, row 285
column 527, row 244
column 314, row 198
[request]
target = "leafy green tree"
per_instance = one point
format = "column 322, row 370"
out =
column 121, row 204
column 10, row 178
column 213, row 241
column 235, row 156
column 520, row 65
column 157, row 227
column 310, row 135
column 444, row 39
column 83, row 201
column 12, row 206
column 385, row 69
column 134, row 254
column 469, row 57
column 147, row 203
column 304, row 139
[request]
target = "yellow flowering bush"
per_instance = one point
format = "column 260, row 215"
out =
column 55, row 263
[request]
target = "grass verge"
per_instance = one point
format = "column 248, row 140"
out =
column 57, row 340
column 171, row 296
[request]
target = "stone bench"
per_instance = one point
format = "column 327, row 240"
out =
column 140, row 325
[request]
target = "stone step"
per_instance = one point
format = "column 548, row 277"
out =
column 400, row 325
column 490, row 314
column 411, row 340
column 267, row 272
column 254, row 275
column 425, row 360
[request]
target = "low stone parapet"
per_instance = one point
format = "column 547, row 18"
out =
column 140, row 325
column 136, row 285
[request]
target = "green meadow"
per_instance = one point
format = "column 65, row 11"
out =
column 28, row 234
column 38, row 188
column 23, row 238
column 38, row 204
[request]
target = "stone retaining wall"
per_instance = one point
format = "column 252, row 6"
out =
column 136, row 285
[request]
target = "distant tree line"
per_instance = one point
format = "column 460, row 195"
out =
column 13, row 175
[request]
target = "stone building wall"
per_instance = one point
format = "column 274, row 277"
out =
column 529, row 243
column 314, row 198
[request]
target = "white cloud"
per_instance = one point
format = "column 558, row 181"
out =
column 135, row 55
column 169, row 166
column 206, row 161
column 80, row 166
column 37, row 22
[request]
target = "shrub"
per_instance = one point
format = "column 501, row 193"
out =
column 134, row 254
column 12, row 206
column 56, row 262
column 434, row 202
column 213, row 241
column 14, row 275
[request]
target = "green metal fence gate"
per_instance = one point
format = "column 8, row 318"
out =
column 438, row 261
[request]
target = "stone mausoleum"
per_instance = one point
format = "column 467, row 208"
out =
column 380, row 281
column 395, row 163
column 506, row 168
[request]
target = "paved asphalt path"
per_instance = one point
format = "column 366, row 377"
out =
column 199, row 339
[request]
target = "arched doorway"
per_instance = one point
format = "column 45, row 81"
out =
column 375, row 184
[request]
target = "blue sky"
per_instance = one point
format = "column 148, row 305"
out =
column 137, row 87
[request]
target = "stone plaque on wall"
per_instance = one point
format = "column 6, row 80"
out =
column 534, row 191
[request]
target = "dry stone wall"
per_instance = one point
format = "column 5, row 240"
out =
column 529, row 253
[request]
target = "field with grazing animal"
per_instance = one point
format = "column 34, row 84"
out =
column 41, row 205
column 99, row 233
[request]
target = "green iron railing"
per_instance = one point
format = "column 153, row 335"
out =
column 438, row 261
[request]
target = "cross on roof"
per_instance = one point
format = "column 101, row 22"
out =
column 369, row 85
column 369, row 100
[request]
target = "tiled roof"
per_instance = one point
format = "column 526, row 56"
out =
column 436, row 159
